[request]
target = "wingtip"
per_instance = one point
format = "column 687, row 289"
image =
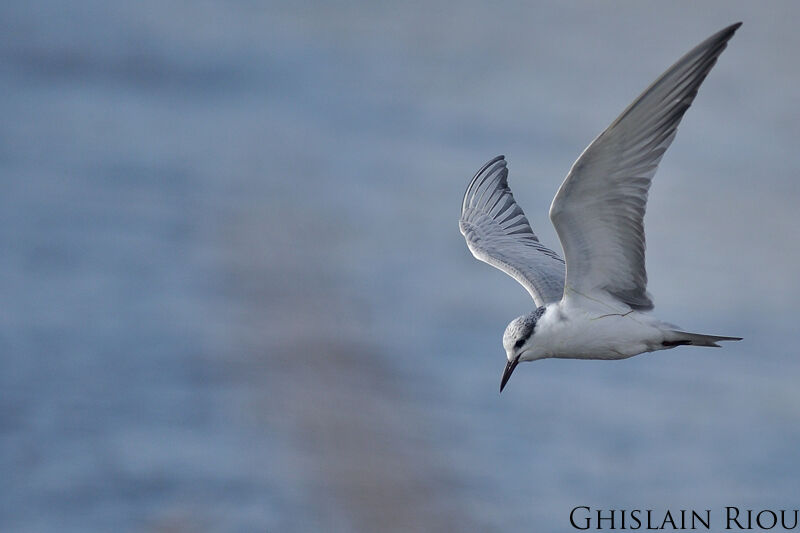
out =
column 730, row 30
column 486, row 166
column 489, row 164
column 723, row 35
column 494, row 160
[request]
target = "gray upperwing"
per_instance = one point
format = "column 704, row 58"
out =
column 498, row 233
column 599, row 210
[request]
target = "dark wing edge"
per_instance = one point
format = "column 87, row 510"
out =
column 498, row 233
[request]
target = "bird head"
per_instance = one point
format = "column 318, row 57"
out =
column 518, row 342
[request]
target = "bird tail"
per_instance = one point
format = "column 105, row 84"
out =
column 683, row 338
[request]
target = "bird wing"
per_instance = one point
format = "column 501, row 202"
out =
column 598, row 211
column 498, row 233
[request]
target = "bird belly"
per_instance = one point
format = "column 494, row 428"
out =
column 602, row 335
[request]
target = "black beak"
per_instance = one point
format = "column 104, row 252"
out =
column 507, row 372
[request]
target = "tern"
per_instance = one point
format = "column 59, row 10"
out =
column 595, row 305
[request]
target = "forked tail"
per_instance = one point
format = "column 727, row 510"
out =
column 682, row 338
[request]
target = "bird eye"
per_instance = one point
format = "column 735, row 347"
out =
column 519, row 343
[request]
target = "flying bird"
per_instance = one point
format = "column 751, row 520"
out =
column 595, row 304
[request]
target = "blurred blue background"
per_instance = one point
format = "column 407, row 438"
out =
column 235, row 297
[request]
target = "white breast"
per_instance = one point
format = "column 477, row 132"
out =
column 594, row 331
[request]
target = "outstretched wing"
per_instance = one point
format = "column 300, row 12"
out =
column 498, row 233
column 598, row 212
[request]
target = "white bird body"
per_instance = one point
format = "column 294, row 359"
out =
column 582, row 328
column 593, row 304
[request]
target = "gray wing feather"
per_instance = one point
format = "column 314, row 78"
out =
column 498, row 233
column 599, row 210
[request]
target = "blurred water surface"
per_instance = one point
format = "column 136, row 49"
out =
column 236, row 298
